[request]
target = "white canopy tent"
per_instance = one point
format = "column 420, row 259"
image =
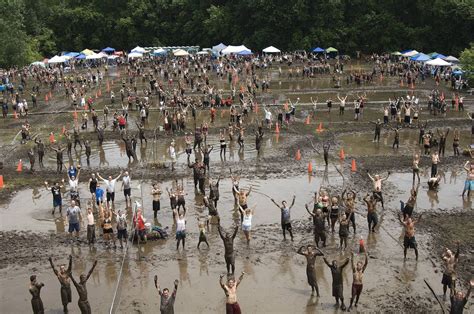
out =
column 219, row 48
column 438, row 62
column 451, row 59
column 57, row 59
column 410, row 53
column 38, row 63
column 159, row 51
column 134, row 55
column 203, row 52
column 95, row 56
column 180, row 53
column 271, row 49
column 234, row 49
column 138, row 49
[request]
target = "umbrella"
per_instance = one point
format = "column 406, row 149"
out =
column 271, row 49
column 108, row 50
column 438, row 62
column 318, row 50
column 331, row 49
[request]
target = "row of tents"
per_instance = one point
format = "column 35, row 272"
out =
column 434, row 58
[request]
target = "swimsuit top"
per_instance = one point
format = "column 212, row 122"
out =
column 247, row 221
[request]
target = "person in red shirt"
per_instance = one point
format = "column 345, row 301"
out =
column 122, row 122
column 139, row 223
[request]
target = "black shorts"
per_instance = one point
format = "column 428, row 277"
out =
column 447, row 280
column 122, row 234
column 127, row 192
column 181, row 202
column 156, row 206
column 108, row 230
column 408, row 210
column 409, row 242
column 110, row 196
column 92, row 189
column 286, row 226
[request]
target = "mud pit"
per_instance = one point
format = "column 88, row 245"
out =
column 276, row 274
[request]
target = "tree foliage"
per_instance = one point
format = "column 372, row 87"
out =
column 52, row 26
column 467, row 61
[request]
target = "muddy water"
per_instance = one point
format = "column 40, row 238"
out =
column 272, row 266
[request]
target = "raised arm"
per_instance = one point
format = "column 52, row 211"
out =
column 307, row 209
column 352, row 262
column 345, row 263
column 52, row 266
column 235, row 231
column 69, row 267
column 118, row 177
column 366, row 261
column 275, row 203
column 91, row 270
column 241, row 210
column 220, row 232
column 300, row 251
column 240, row 279
column 100, row 177
column 326, row 262
column 293, row 202
column 221, row 282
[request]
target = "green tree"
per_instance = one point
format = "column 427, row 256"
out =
column 467, row 61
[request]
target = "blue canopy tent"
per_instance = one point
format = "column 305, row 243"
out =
column 71, row 54
column 81, row 56
column 405, row 51
column 108, row 50
column 318, row 50
column 421, row 57
column 438, row 55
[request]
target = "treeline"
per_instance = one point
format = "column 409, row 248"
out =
column 33, row 28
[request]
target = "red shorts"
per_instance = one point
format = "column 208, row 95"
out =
column 356, row 289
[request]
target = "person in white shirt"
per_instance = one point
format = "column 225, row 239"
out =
column 377, row 192
column 172, row 152
column 268, row 117
column 110, row 188
column 74, row 186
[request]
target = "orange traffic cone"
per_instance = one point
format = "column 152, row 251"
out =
column 19, row 167
column 353, row 166
column 277, row 128
column 15, row 115
column 342, row 156
column 307, row 120
column 1, row 181
column 310, row 167
column 298, row 155
column 51, row 138
column 46, row 98
column 320, row 127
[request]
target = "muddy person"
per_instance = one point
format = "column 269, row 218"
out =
column 416, row 168
column 202, row 231
column 212, row 210
column 172, row 155
column 127, row 188
column 334, row 213
column 348, row 199
column 326, row 147
column 107, row 229
column 87, row 146
column 409, row 240
column 378, row 128
column 459, row 299
column 59, row 157
column 357, row 273
column 35, row 290
column 343, row 230
column 372, row 218
column 407, row 208
column 31, row 158
column 57, row 198
column 286, row 216
column 40, row 150
column 247, row 221
column 93, row 186
column 310, row 252
column 377, row 182
column 396, row 139
column 258, row 139
column 450, row 260
column 337, row 282
column 181, row 200
column 63, row 277
column 206, row 156
column 229, row 254
column 139, row 224
column 319, row 221
column 434, row 164
column 214, row 191
column 121, row 227
column 73, row 213
column 156, row 193
column 167, row 299
column 456, row 139
column 81, row 288
column 230, row 290
column 110, row 189
column 442, row 141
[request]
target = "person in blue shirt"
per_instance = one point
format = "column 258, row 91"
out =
column 72, row 171
column 99, row 195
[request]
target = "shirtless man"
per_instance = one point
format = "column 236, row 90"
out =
column 82, row 290
column 409, row 240
column 348, row 198
column 285, row 216
column 167, row 300
column 449, row 276
column 230, row 290
column 63, row 277
column 35, row 290
column 59, row 157
column 469, row 183
column 371, row 212
column 40, row 150
column 310, row 252
column 358, row 273
column 337, row 282
column 229, row 254
column 202, row 231
column 377, row 181
column 156, row 192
